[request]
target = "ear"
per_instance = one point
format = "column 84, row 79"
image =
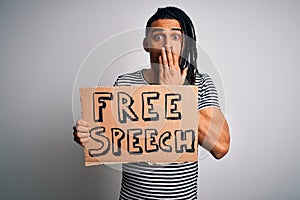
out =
column 145, row 45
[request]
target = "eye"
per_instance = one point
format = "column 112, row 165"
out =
column 158, row 37
column 176, row 37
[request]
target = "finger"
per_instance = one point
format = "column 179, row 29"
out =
column 162, row 69
column 81, row 135
column 81, row 122
column 160, row 60
column 82, row 129
column 82, row 142
column 175, row 60
column 169, row 56
column 164, row 57
column 77, row 140
column 184, row 72
column 165, row 65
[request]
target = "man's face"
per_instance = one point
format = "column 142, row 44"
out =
column 163, row 33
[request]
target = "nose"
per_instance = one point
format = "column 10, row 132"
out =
column 168, row 42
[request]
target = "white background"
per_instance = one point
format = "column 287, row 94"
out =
column 254, row 45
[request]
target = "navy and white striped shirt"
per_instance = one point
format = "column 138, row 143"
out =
column 164, row 181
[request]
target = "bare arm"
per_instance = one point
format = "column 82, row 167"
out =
column 213, row 132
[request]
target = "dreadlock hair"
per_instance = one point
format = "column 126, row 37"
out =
column 188, row 56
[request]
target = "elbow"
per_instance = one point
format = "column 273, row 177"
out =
column 220, row 151
column 222, row 146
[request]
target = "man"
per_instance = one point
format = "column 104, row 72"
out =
column 171, row 42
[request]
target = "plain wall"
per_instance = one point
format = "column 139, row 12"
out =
column 254, row 45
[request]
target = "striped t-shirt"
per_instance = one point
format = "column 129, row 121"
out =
column 164, row 181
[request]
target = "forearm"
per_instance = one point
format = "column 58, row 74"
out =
column 213, row 132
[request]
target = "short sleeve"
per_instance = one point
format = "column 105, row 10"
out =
column 116, row 82
column 207, row 92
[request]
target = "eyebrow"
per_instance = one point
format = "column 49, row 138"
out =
column 161, row 29
column 176, row 29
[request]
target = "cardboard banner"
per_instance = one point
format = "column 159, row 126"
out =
column 149, row 123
